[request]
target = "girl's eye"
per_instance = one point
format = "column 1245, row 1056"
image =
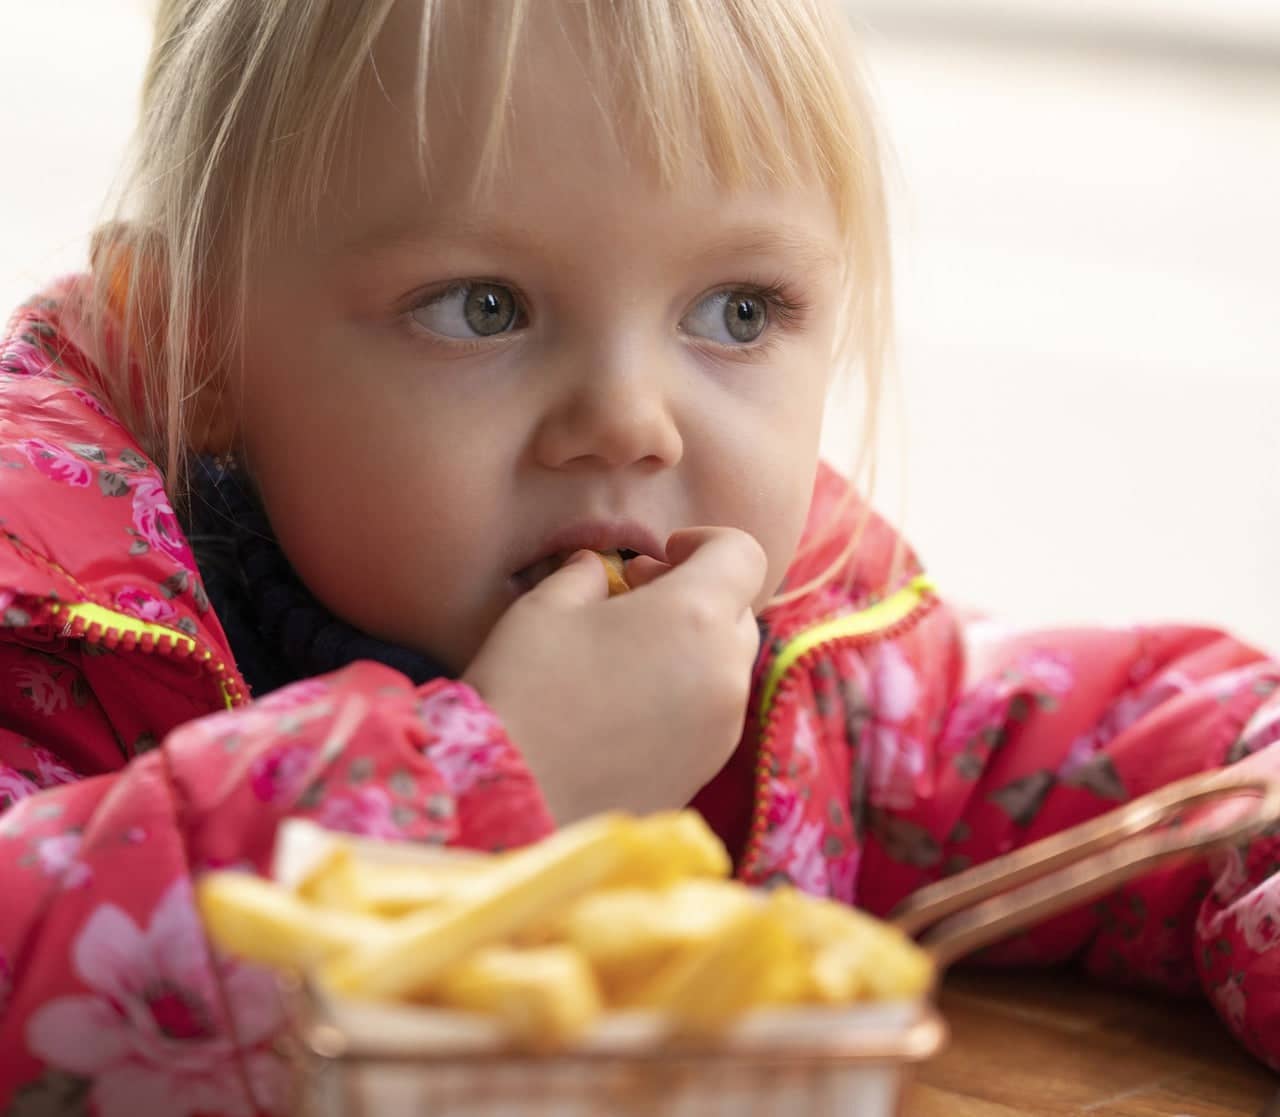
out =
column 469, row 310
column 729, row 317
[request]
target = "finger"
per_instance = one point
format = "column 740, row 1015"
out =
column 749, row 632
column 642, row 570
column 580, row 581
column 727, row 563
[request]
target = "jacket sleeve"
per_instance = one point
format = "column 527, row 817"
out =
column 110, row 998
column 1032, row 732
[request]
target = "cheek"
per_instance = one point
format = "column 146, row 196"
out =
column 779, row 517
column 361, row 486
column 765, row 474
column 788, row 461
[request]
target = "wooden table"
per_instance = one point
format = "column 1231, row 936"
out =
column 1049, row 1044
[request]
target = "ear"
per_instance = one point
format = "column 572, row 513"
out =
column 133, row 262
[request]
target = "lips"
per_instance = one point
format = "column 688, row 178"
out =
column 627, row 538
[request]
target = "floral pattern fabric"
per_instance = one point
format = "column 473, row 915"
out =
column 883, row 764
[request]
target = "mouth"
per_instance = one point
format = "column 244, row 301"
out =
column 626, row 540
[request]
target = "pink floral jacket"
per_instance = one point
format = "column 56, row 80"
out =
column 889, row 742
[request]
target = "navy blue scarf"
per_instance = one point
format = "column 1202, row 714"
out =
column 279, row 632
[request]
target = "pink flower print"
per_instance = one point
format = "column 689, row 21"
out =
column 302, row 693
column 1122, row 715
column 58, row 856
column 459, row 714
column 14, row 786
column 1263, row 729
column 895, row 758
column 842, row 874
column 145, row 606
column 94, row 404
column 465, row 741
column 42, row 687
column 804, row 745
column 278, row 776
column 156, row 524
column 1230, row 875
column 150, row 1032
column 805, row 864
column 50, row 771
column 366, row 812
column 782, row 826
column 1258, row 918
column 791, row 845
column 1230, row 1001
column 56, row 463
column 462, row 765
column 986, row 706
column 1051, row 672
column 983, row 708
column 21, row 358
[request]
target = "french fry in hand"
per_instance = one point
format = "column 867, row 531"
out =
column 253, row 918
column 615, row 570
column 525, row 889
column 547, row 996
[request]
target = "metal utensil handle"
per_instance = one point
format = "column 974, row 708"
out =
column 985, row 904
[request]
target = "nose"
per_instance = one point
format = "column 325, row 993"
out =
column 610, row 411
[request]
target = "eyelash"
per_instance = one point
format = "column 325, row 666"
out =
column 428, row 295
column 787, row 310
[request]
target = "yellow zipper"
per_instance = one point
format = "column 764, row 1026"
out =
column 100, row 625
column 891, row 617
column 883, row 615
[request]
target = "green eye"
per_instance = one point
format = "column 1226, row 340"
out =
column 729, row 317
column 469, row 310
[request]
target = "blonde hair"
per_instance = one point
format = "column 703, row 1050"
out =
column 246, row 105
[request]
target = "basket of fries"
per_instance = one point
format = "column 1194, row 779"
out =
column 614, row 969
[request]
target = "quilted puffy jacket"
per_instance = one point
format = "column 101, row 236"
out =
column 889, row 742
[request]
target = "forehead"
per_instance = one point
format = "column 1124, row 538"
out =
column 550, row 106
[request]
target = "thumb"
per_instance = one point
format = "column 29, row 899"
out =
column 579, row 581
column 643, row 570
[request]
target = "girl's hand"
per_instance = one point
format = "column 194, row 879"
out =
column 633, row 702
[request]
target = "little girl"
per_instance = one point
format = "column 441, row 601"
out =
column 413, row 303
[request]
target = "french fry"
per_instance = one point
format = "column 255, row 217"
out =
column 546, row 997
column 855, row 957
column 343, row 880
column 615, row 570
column 611, row 913
column 626, row 933
column 756, row 961
column 255, row 919
column 525, row 889
column 671, row 846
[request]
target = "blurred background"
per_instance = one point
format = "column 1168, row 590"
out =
column 1086, row 424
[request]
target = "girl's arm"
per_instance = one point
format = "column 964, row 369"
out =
column 108, row 989
column 1036, row 731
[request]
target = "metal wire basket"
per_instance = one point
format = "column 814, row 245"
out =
column 384, row 1061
